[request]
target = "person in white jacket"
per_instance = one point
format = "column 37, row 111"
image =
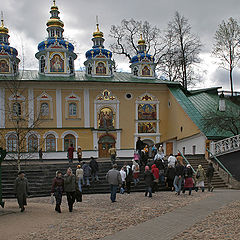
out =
column 172, row 161
column 123, row 176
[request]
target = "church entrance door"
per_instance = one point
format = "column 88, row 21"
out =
column 104, row 144
column 169, row 148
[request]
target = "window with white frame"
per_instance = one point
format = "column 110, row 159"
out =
column 72, row 110
column 32, row 143
column 12, row 143
column 17, row 109
column 50, row 143
column 44, row 109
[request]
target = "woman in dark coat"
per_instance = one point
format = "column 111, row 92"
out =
column 188, row 180
column 57, row 190
column 21, row 190
column 148, row 178
column 170, row 175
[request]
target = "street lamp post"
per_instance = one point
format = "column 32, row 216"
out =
column 3, row 154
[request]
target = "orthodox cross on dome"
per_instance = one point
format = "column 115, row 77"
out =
column 2, row 22
column 54, row 2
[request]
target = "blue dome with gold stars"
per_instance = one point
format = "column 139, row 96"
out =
column 45, row 44
column 10, row 50
column 142, row 56
column 92, row 53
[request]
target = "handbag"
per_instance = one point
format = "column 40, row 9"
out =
column 198, row 175
column 78, row 196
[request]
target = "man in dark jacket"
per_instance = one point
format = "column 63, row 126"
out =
column 139, row 147
column 86, row 173
column 178, row 178
column 114, row 179
column 94, row 169
column 209, row 175
column 21, row 190
column 148, row 178
column 70, row 188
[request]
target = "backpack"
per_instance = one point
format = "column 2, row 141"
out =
column 137, row 168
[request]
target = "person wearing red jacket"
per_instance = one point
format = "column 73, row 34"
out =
column 155, row 172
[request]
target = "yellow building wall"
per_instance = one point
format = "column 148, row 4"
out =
column 178, row 118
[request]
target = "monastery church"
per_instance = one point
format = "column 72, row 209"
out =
column 99, row 107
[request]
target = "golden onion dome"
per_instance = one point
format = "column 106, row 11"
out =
column 3, row 29
column 141, row 41
column 98, row 33
column 55, row 22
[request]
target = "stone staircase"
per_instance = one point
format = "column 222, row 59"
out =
column 196, row 160
column 40, row 178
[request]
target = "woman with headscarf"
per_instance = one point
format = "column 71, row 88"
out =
column 148, row 178
column 57, row 190
column 200, row 177
column 136, row 170
column 188, row 181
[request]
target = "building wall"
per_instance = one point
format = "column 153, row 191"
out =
column 171, row 117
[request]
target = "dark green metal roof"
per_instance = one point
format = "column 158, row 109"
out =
column 80, row 76
column 197, row 103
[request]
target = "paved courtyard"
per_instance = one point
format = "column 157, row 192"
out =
column 165, row 216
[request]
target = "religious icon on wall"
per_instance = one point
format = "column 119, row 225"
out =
column 100, row 69
column 147, row 112
column 106, row 118
column 147, row 127
column 146, row 71
column 4, row 66
column 56, row 64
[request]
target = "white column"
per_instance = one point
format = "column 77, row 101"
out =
column 95, row 115
column 2, row 107
column 30, row 108
column 118, row 143
column 157, row 130
column 95, row 140
column 86, row 108
column 117, row 123
column 59, row 107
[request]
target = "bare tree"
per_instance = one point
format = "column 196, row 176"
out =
column 126, row 37
column 229, row 121
column 226, row 47
column 22, row 120
column 182, row 52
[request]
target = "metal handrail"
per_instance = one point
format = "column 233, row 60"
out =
column 219, row 163
column 185, row 159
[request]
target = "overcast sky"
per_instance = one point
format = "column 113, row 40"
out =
column 26, row 20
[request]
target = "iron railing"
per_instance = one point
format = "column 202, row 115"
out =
column 219, row 164
column 185, row 159
column 226, row 145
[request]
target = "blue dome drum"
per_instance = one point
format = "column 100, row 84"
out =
column 56, row 56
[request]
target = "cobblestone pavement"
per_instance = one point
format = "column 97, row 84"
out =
column 222, row 224
column 94, row 218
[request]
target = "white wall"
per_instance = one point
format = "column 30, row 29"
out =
column 198, row 140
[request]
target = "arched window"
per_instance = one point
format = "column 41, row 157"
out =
column 50, row 143
column 100, row 69
column 146, row 71
column 135, row 71
column 51, row 33
column 44, row 109
column 68, row 140
column 42, row 64
column 32, row 143
column 17, row 110
column 72, row 109
column 89, row 69
column 12, row 143
column 71, row 65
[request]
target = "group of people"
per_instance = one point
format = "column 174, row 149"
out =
column 159, row 170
